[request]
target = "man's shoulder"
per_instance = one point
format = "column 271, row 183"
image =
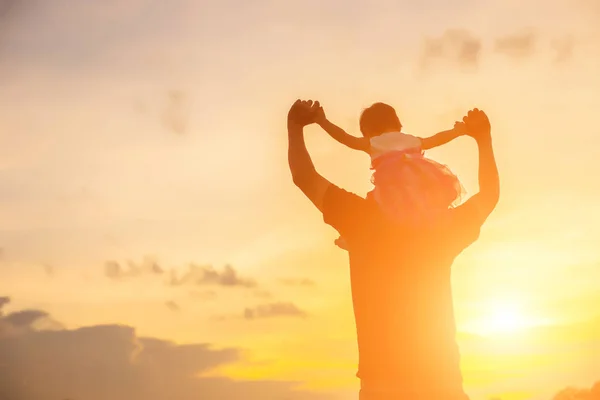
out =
column 334, row 195
column 345, row 210
column 460, row 228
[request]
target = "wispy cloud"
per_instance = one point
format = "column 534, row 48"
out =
column 262, row 294
column 519, row 45
column 457, row 46
column 208, row 275
column 116, row 271
column 203, row 294
column 274, row 310
column 49, row 270
column 196, row 275
column 297, row 282
column 176, row 113
column 465, row 49
column 563, row 48
column 171, row 305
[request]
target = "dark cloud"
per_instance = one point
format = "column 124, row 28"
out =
column 171, row 305
column 571, row 393
column 4, row 300
column 24, row 321
column 176, row 113
column 457, row 46
column 208, row 275
column 111, row 362
column 274, row 310
column 297, row 282
column 5, row 7
column 518, row 45
column 25, row 318
column 115, row 270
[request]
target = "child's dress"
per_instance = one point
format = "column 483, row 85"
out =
column 409, row 187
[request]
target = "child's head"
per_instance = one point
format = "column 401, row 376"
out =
column 378, row 119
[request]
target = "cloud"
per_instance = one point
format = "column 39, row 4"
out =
column 203, row 295
column 171, row 305
column 518, row 45
column 457, row 46
column 589, row 7
column 115, row 271
column 571, row 393
column 112, row 362
column 297, row 282
column 462, row 48
column 197, row 275
column 263, row 294
column 274, row 310
column 49, row 270
column 24, row 321
column 5, row 7
column 563, row 49
column 4, row 300
column 25, row 318
column 176, row 113
column 95, row 26
column 208, row 275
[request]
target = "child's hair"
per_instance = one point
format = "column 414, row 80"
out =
column 378, row 119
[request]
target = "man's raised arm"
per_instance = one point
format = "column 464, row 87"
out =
column 304, row 174
column 479, row 207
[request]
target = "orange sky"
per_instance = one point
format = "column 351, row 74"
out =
column 147, row 130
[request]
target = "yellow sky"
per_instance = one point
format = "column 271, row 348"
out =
column 142, row 130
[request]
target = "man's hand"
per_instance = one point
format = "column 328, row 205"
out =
column 302, row 113
column 312, row 184
column 476, row 210
column 477, row 125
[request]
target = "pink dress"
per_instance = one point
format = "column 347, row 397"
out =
column 408, row 186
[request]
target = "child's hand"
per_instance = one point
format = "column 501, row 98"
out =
column 460, row 128
column 319, row 113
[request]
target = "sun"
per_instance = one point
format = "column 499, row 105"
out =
column 502, row 316
column 506, row 317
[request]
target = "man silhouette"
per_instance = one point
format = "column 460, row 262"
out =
column 400, row 277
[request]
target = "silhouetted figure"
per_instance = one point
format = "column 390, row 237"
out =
column 400, row 274
column 409, row 187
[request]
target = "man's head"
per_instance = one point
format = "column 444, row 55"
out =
column 378, row 119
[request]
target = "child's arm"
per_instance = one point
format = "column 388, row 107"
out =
column 443, row 137
column 356, row 143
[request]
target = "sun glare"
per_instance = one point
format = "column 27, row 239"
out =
column 504, row 317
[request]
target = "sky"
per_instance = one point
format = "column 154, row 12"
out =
column 150, row 233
